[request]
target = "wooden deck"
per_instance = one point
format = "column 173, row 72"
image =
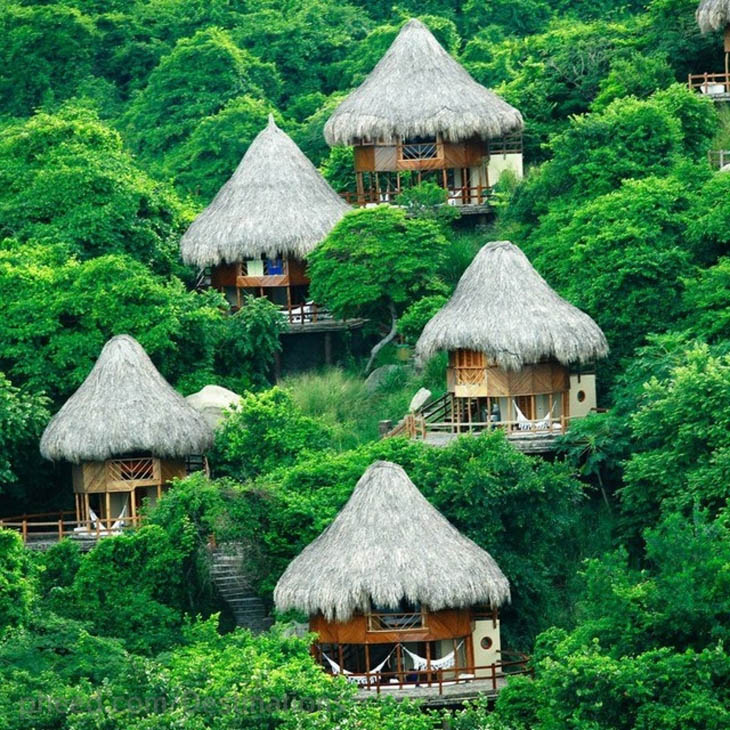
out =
column 455, row 693
column 438, row 424
column 527, row 443
column 323, row 325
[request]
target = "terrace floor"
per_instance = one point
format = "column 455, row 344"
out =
column 450, row 693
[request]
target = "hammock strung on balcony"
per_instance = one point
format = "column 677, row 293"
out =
column 525, row 424
column 358, row 678
column 445, row 662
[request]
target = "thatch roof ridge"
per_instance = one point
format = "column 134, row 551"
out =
column 504, row 308
column 386, row 544
column 124, row 406
column 276, row 202
column 418, row 90
column 713, row 15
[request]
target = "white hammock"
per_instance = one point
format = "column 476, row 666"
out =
column 525, row 424
column 358, row 678
column 445, row 662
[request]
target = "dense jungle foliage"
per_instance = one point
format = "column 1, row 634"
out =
column 119, row 120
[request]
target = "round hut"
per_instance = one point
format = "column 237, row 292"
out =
column 127, row 434
column 512, row 343
column 263, row 223
column 395, row 592
column 420, row 116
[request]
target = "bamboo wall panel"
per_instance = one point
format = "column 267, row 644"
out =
column 93, row 477
column 386, row 159
column 172, row 469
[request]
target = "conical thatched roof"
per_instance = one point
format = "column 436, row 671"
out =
column 713, row 15
column 125, row 406
column 275, row 202
column 418, row 90
column 388, row 543
column 504, row 308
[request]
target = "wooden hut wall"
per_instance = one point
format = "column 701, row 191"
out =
column 446, row 624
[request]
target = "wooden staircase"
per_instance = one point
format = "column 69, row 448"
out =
column 229, row 578
column 413, row 425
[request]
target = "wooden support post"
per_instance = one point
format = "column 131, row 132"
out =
column 60, row 530
column 494, row 676
column 87, row 516
column 159, row 492
column 24, row 530
column 238, row 297
column 367, row 661
column 399, row 664
column 341, row 657
column 133, row 507
column 107, row 509
column 77, row 502
column 470, row 654
column 428, row 661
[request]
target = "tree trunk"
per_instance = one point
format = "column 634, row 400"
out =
column 388, row 338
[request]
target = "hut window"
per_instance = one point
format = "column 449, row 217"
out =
column 253, row 267
column 581, row 396
column 419, row 148
column 405, row 617
column 273, row 267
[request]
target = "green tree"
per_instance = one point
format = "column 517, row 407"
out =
column 264, row 432
column 16, row 585
column 23, row 415
column 45, row 51
column 67, row 178
column 374, row 264
column 195, row 81
column 212, row 152
column 681, row 431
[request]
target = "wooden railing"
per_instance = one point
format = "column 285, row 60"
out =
column 718, row 158
column 495, row 674
column 465, row 195
column 717, row 84
column 440, row 416
column 40, row 528
column 396, row 621
column 306, row 313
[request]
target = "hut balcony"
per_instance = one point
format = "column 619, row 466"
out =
column 716, row 86
column 444, row 656
column 284, row 282
column 533, row 405
column 718, row 159
column 466, row 170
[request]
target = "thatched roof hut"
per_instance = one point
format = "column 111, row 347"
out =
column 276, row 202
column 505, row 309
column 713, row 15
column 388, row 543
column 125, row 406
column 418, row 90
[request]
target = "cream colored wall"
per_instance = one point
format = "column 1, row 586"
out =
column 586, row 384
column 498, row 163
column 484, row 657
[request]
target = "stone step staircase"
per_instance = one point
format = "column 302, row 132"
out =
column 228, row 576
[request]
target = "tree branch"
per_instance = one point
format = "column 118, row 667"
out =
column 388, row 338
